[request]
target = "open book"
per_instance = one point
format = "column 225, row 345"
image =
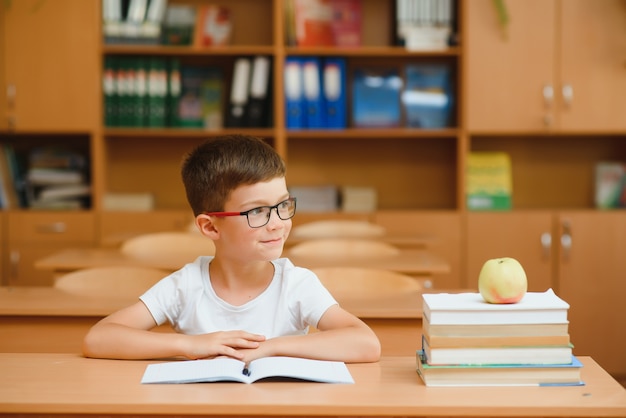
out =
column 231, row 370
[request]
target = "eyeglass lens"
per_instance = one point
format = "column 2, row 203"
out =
column 261, row 216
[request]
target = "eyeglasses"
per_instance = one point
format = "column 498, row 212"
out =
column 260, row 216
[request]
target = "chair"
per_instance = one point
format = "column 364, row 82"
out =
column 168, row 250
column 342, row 247
column 110, row 281
column 339, row 228
column 359, row 282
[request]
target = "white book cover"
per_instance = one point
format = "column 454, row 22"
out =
column 231, row 370
column 471, row 309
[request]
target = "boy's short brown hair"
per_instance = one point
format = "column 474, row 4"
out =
column 212, row 170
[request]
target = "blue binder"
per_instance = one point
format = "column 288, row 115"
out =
column 334, row 88
column 313, row 96
column 294, row 101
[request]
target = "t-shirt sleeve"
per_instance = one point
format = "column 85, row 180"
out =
column 313, row 298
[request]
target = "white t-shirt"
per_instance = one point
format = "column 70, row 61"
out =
column 294, row 299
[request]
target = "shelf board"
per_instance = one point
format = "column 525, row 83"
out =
column 357, row 133
column 168, row 50
column 183, row 132
column 371, row 51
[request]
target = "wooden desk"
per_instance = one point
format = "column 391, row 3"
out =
column 45, row 384
column 45, row 319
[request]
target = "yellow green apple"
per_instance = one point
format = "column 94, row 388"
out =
column 502, row 280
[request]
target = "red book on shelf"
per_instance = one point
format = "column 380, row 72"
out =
column 313, row 20
column 214, row 26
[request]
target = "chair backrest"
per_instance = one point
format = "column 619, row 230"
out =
column 168, row 250
column 110, row 281
column 365, row 282
column 342, row 247
column 337, row 228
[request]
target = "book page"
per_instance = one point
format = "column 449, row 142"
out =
column 189, row 371
column 299, row 368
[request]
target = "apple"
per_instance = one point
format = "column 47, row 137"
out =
column 502, row 280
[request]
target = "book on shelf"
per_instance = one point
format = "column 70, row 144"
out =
column 471, row 309
column 316, row 198
column 376, row 98
column 568, row 374
column 258, row 113
column 427, row 96
column 136, row 202
column 477, row 341
column 294, row 93
column 324, row 22
column 424, row 25
column 179, row 25
column 334, row 92
column 313, row 94
column 494, row 330
column 239, row 93
column 213, row 26
column 232, row 370
column 610, row 185
column 489, row 181
column 200, row 102
column 358, row 199
column 505, row 354
column 174, row 92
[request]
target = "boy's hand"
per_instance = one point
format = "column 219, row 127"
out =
column 221, row 343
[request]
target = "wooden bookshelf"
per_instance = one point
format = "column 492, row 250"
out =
column 499, row 105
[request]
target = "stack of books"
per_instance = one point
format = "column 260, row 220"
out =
column 469, row 342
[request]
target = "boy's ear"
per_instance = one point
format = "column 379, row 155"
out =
column 206, row 226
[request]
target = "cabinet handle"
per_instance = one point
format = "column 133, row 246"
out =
column 11, row 93
column 568, row 95
column 52, row 228
column 548, row 95
column 566, row 240
column 546, row 245
column 14, row 258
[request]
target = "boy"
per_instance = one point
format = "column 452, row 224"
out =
column 245, row 302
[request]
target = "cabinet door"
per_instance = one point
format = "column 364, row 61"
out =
column 34, row 235
column 525, row 236
column 507, row 72
column 50, row 61
column 591, row 278
column 593, row 57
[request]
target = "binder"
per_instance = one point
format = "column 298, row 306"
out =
column 140, row 98
column 109, row 91
column 334, row 88
column 259, row 93
column 174, row 88
column 157, row 90
column 312, row 88
column 239, row 93
column 294, row 101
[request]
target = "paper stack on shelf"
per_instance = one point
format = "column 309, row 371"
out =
column 469, row 342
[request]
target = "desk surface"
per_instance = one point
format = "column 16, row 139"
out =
column 45, row 384
column 410, row 261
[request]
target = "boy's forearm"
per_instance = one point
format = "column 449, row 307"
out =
column 350, row 345
column 110, row 340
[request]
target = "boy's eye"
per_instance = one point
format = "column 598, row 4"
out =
column 284, row 205
column 256, row 211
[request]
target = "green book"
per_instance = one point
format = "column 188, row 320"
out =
column 157, row 91
column 173, row 92
column 109, row 91
column 140, row 98
column 489, row 181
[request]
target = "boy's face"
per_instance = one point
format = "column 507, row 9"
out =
column 265, row 243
